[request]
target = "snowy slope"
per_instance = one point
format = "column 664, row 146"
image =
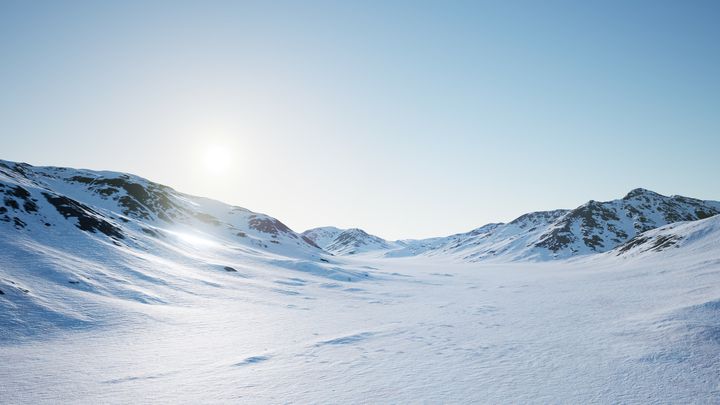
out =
column 114, row 289
column 323, row 236
column 66, row 233
column 347, row 241
column 114, row 206
column 508, row 241
column 695, row 238
column 422, row 330
column 594, row 227
column 602, row 226
column 118, row 206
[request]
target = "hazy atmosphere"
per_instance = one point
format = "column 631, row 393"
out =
column 371, row 114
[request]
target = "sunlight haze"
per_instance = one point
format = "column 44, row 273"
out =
column 406, row 119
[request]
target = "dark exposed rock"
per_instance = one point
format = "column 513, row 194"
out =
column 30, row 206
column 664, row 241
column 133, row 207
column 88, row 220
column 9, row 202
column 309, row 241
column 267, row 225
column 82, row 179
column 556, row 239
column 702, row 214
column 19, row 224
column 230, row 269
column 594, row 242
column 19, row 192
column 141, row 201
column 657, row 244
column 18, row 168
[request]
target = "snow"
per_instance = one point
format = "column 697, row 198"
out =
column 530, row 333
column 193, row 313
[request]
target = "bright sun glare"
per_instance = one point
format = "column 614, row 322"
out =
column 217, row 159
column 194, row 239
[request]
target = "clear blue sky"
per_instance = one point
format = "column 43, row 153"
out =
column 408, row 119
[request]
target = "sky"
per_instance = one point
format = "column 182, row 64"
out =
column 408, row 119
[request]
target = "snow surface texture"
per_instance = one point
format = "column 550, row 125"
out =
column 114, row 289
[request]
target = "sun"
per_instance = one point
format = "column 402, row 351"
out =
column 217, row 159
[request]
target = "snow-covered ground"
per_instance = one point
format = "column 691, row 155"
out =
column 613, row 329
column 114, row 289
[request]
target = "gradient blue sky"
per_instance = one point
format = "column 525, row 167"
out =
column 408, row 119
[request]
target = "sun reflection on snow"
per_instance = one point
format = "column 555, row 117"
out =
column 194, row 239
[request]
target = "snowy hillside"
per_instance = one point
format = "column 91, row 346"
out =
column 594, row 227
column 66, row 233
column 323, row 236
column 347, row 241
column 507, row 241
column 115, row 289
column 115, row 207
column 601, row 226
column 129, row 211
column 695, row 238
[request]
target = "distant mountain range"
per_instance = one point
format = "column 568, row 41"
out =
column 594, row 227
column 61, row 204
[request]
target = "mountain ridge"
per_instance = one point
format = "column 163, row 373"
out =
column 108, row 203
column 593, row 227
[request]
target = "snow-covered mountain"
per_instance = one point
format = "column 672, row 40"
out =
column 130, row 211
column 66, row 233
column 508, row 241
column 347, row 241
column 694, row 237
column 602, row 226
column 104, row 270
column 119, row 207
column 594, row 227
column 323, row 236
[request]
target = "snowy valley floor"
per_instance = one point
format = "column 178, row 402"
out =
column 416, row 331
